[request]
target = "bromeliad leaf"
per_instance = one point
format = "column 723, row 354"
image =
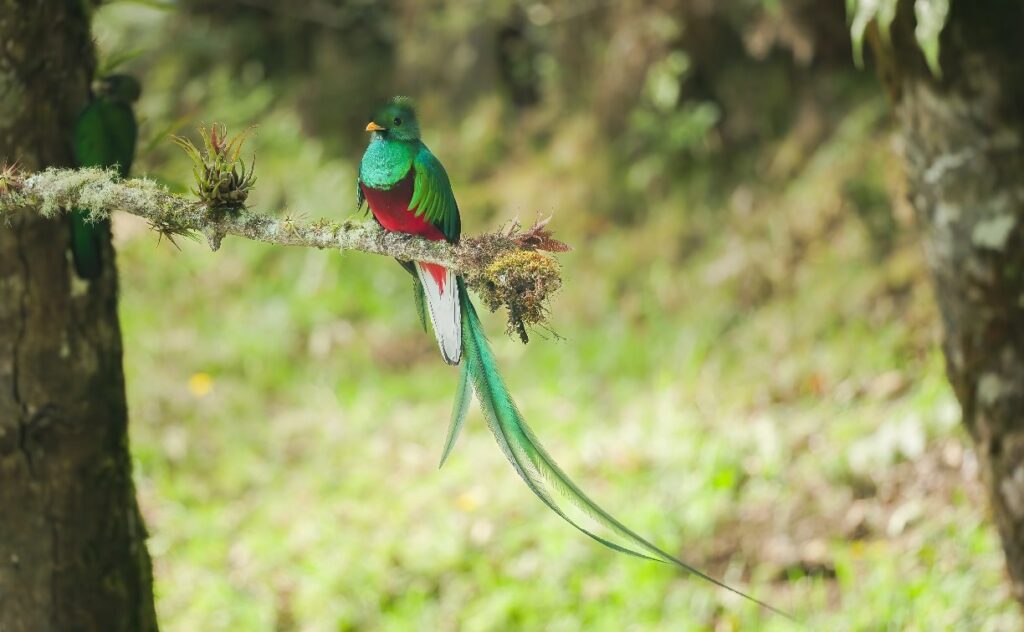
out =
column 222, row 179
column 931, row 17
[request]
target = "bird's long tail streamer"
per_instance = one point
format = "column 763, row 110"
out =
column 462, row 396
column 85, row 245
column 536, row 467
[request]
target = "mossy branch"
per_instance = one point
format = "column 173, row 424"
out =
column 504, row 268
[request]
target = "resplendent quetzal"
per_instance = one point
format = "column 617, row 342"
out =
column 408, row 191
column 105, row 136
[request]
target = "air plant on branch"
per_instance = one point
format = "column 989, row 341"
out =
column 222, row 179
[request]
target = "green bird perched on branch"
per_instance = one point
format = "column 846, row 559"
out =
column 104, row 136
column 407, row 190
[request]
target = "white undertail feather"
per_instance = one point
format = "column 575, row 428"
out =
column 445, row 313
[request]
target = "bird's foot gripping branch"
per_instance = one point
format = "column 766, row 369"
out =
column 508, row 268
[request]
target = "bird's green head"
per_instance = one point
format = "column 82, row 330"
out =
column 396, row 119
column 123, row 88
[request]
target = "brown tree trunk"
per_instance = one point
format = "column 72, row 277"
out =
column 72, row 544
column 964, row 143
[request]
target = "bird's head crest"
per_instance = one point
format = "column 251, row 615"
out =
column 404, row 102
column 123, row 88
column 396, row 119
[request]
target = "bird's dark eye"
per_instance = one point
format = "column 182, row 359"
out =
column 397, row 121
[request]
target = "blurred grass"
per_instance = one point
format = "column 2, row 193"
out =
column 748, row 375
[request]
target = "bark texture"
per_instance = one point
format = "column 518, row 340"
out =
column 72, row 543
column 963, row 137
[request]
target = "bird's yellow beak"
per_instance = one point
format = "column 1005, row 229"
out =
column 373, row 127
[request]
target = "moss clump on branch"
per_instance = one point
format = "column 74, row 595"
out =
column 507, row 270
column 523, row 281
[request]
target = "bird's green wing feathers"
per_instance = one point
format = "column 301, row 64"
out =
column 85, row 244
column 432, row 195
column 105, row 136
column 536, row 467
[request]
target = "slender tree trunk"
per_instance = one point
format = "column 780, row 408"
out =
column 964, row 143
column 72, row 543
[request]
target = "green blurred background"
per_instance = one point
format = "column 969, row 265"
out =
column 746, row 367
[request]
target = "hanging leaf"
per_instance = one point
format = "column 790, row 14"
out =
column 861, row 13
column 931, row 17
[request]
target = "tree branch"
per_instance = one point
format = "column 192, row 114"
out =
column 505, row 267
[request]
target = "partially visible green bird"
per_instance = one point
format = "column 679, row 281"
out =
column 105, row 136
column 408, row 191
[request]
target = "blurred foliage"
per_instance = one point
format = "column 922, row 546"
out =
column 748, row 372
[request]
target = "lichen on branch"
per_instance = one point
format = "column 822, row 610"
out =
column 507, row 268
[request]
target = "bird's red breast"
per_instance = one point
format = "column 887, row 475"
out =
column 391, row 208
